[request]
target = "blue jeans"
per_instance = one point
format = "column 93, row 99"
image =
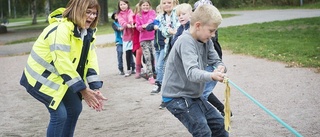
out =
column 208, row 87
column 63, row 120
column 198, row 116
column 160, row 65
column 119, row 57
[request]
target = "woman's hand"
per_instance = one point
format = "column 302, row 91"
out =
column 90, row 98
column 94, row 99
column 101, row 100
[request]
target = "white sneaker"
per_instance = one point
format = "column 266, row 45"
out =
column 128, row 73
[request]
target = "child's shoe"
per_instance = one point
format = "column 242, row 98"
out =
column 137, row 75
column 121, row 73
column 128, row 73
column 144, row 75
column 151, row 80
column 138, row 71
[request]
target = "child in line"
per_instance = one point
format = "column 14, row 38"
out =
column 137, row 50
column 125, row 18
column 168, row 26
column 159, row 43
column 184, row 12
column 147, row 15
column 185, row 77
column 209, row 86
column 118, row 34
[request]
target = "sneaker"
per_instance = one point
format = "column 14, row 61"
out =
column 162, row 105
column 156, row 89
column 128, row 73
column 121, row 73
column 133, row 72
column 137, row 76
column 151, row 80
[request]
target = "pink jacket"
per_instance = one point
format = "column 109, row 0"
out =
column 145, row 18
column 124, row 18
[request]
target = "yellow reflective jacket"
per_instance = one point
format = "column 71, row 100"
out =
column 61, row 61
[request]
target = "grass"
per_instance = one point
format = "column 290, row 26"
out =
column 295, row 42
column 246, row 7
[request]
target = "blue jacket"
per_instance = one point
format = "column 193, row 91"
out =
column 117, row 32
column 159, row 38
column 179, row 32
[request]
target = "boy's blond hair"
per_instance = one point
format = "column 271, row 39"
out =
column 184, row 7
column 159, row 9
column 206, row 14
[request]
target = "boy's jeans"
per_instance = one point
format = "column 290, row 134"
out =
column 209, row 85
column 198, row 116
column 119, row 57
column 159, row 65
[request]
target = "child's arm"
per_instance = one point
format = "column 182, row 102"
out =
column 114, row 27
column 130, row 17
column 189, row 55
column 214, row 59
column 122, row 22
column 153, row 26
column 218, row 76
column 150, row 27
column 139, row 24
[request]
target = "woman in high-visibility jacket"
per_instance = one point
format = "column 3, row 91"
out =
column 61, row 62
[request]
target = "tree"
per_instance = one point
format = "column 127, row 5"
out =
column 104, row 11
column 34, row 11
column 47, row 9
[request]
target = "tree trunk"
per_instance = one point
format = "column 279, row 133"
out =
column 34, row 11
column 104, row 11
column 14, row 9
column 9, row 9
column 47, row 9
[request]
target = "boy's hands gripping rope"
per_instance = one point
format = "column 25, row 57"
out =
column 218, row 74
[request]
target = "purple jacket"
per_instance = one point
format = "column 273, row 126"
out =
column 124, row 18
column 142, row 19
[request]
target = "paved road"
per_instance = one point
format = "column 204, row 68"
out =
column 245, row 17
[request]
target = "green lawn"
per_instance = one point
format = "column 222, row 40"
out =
column 295, row 42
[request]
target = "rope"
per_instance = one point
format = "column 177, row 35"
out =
column 264, row 108
column 227, row 111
